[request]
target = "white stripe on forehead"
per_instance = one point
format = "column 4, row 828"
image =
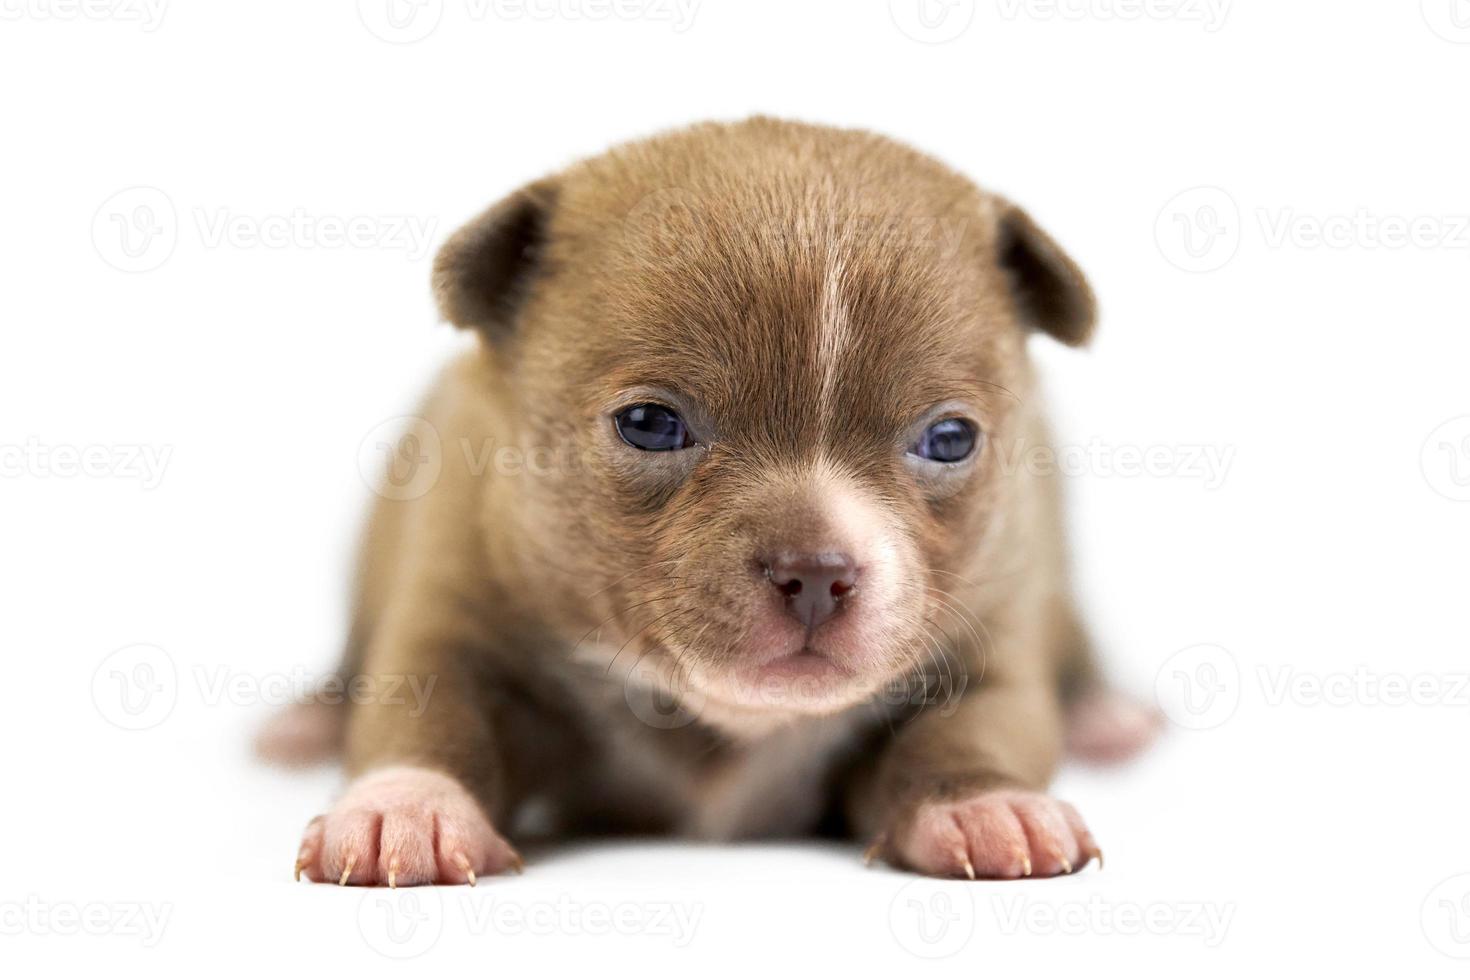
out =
column 832, row 337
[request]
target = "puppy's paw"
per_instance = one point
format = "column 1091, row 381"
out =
column 997, row 834
column 1107, row 727
column 302, row 735
column 404, row 826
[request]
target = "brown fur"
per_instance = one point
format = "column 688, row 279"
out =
column 806, row 295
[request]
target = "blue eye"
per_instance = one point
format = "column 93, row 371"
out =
column 947, row 441
column 652, row 428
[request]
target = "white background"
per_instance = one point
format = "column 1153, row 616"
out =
column 1317, row 828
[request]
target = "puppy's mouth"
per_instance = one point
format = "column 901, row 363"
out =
column 756, row 682
column 802, row 679
column 806, row 663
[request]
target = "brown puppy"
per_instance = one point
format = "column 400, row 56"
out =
column 723, row 540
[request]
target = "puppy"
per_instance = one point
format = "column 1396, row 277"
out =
column 726, row 538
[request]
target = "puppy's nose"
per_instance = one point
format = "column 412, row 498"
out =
column 814, row 585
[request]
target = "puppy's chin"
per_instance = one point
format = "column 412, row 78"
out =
column 802, row 682
column 762, row 688
column 778, row 670
column 773, row 673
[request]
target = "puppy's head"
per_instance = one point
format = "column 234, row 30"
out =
column 783, row 355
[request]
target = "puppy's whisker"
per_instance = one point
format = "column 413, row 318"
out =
column 973, row 624
column 993, row 577
column 954, row 677
column 630, row 639
column 636, row 571
column 952, row 604
column 623, row 612
column 576, row 648
column 940, row 657
column 967, row 581
column 982, row 645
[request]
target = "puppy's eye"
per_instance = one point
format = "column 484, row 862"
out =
column 652, row 428
column 947, row 441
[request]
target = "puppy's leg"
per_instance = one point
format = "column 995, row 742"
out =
column 1104, row 725
column 962, row 793
column 427, row 786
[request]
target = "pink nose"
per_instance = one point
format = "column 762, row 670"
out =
column 814, row 586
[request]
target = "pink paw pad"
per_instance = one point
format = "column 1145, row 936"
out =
column 404, row 826
column 998, row 834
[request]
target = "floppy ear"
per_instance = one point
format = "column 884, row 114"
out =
column 1050, row 292
column 484, row 272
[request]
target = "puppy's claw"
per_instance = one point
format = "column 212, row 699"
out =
column 300, row 866
column 1055, row 850
column 969, row 868
column 1098, row 854
column 874, row 849
column 464, row 865
column 346, row 872
column 516, row 863
column 1025, row 863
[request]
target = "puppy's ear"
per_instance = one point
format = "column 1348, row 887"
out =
column 484, row 272
column 1050, row 292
